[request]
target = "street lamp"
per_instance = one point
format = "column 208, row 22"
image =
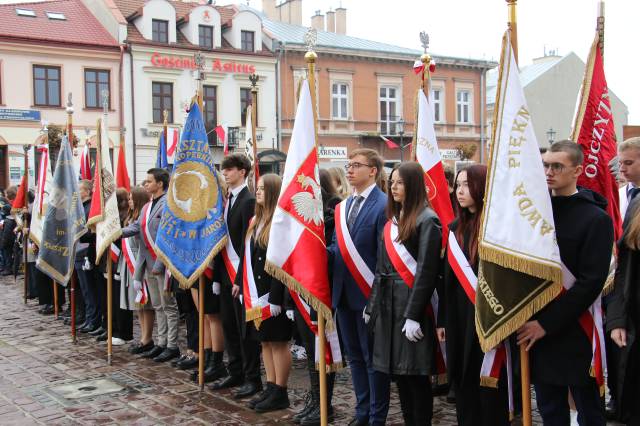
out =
column 551, row 135
column 400, row 126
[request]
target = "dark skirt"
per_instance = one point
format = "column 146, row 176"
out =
column 211, row 301
column 275, row 329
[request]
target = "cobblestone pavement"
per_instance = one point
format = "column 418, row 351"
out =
column 37, row 359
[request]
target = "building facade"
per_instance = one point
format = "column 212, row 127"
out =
column 48, row 51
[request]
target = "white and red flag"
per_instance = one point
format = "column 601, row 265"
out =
column 297, row 253
column 390, row 144
column 122, row 174
column 594, row 131
column 173, row 137
column 222, row 135
column 41, row 201
column 427, row 154
column 85, row 163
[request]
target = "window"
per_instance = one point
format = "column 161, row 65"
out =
column 162, row 100
column 95, row 81
column 246, row 40
column 210, row 113
column 339, row 100
column 46, row 85
column 463, row 99
column 205, row 36
column 26, row 12
column 245, row 100
column 160, row 30
column 388, row 110
column 436, row 105
column 56, row 16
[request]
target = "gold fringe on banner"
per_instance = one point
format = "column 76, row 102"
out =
column 526, row 266
column 293, row 284
column 331, row 368
column 489, row 382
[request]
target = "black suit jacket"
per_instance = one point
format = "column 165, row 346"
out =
column 238, row 218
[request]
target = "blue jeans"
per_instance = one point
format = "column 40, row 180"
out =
column 371, row 387
column 87, row 284
column 553, row 404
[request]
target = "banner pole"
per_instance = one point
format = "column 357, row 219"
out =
column 25, row 225
column 55, row 299
column 109, row 309
column 322, row 370
column 74, row 338
column 254, row 116
column 201, row 286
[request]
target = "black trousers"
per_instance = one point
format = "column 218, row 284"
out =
column 553, row 404
column 188, row 308
column 240, row 341
column 482, row 406
column 101, row 292
column 122, row 318
column 45, row 289
column 416, row 399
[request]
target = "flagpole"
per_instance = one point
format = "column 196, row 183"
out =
column 425, row 77
column 165, row 131
column 310, row 57
column 525, row 372
column 600, row 26
column 25, row 225
column 199, row 61
column 72, row 290
column 254, row 116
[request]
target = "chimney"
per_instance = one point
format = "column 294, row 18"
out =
column 331, row 21
column 341, row 20
column 269, row 9
column 290, row 12
column 317, row 21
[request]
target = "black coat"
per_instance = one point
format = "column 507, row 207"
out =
column 585, row 237
column 265, row 283
column 623, row 311
column 392, row 302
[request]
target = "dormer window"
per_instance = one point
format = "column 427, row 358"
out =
column 25, row 12
column 205, row 36
column 247, row 41
column 160, row 30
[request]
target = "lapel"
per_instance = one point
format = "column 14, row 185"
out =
column 239, row 197
column 363, row 208
column 155, row 208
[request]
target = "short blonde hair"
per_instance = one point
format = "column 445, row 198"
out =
column 629, row 143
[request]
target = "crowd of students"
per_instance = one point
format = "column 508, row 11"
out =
column 384, row 225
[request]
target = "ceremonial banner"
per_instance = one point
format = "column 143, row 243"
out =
column 162, row 161
column 85, row 163
column 520, row 269
column 20, row 202
column 173, row 137
column 104, row 217
column 297, row 253
column 64, row 222
column 41, row 201
column 192, row 229
column 428, row 155
column 122, row 174
column 248, row 136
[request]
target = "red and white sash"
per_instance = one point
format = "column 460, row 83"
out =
column 129, row 257
column 333, row 356
column 257, row 307
column 142, row 296
column 146, row 233
column 499, row 356
column 406, row 266
column 231, row 260
column 362, row 275
column 115, row 253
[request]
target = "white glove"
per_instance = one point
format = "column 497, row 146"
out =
column 275, row 309
column 87, row 265
column 365, row 316
column 412, row 330
column 137, row 285
column 290, row 315
column 216, row 288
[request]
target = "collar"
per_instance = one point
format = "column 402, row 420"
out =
column 159, row 196
column 235, row 191
column 364, row 194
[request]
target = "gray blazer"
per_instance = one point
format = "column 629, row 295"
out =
column 144, row 256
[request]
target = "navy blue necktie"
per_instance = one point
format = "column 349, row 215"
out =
column 353, row 213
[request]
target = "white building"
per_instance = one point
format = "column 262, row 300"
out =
column 551, row 86
column 161, row 38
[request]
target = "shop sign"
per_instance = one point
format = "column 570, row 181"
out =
column 450, row 154
column 332, row 152
column 19, row 114
column 163, row 61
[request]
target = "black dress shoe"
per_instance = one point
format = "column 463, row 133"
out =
column 140, row 348
column 87, row 328
column 46, row 310
column 358, row 422
column 227, row 382
column 153, row 352
column 98, row 331
column 167, row 354
column 261, row 396
column 175, row 361
column 102, row 337
column 247, row 390
column 278, row 399
column 188, row 363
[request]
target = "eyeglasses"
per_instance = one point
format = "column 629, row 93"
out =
column 555, row 167
column 355, row 165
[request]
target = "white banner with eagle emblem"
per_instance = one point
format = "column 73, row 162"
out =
column 297, row 253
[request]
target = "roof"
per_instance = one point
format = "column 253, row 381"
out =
column 79, row 27
column 528, row 74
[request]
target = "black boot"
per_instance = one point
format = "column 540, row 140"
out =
column 278, row 399
column 313, row 415
column 260, row 396
column 309, row 402
column 208, row 354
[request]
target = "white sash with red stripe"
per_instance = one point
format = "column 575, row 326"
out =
column 362, row 275
column 406, row 266
column 129, row 257
column 231, row 260
column 146, row 233
column 499, row 356
column 115, row 253
column 257, row 307
column 333, row 355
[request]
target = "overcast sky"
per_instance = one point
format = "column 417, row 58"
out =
column 473, row 28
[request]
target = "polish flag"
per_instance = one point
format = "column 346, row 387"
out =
column 390, row 144
column 85, row 163
column 222, row 135
column 173, row 137
column 297, row 253
column 428, row 155
column 418, row 66
column 122, row 174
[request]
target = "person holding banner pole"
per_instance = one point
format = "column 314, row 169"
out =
column 480, row 382
column 406, row 276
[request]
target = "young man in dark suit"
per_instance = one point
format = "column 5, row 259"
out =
column 365, row 219
column 243, row 349
column 561, row 351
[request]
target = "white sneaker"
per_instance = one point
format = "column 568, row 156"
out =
column 116, row 341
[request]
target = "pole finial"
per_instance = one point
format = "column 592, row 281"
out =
column 254, row 78
column 310, row 39
column 105, row 101
column 69, row 104
column 425, row 58
column 198, row 59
